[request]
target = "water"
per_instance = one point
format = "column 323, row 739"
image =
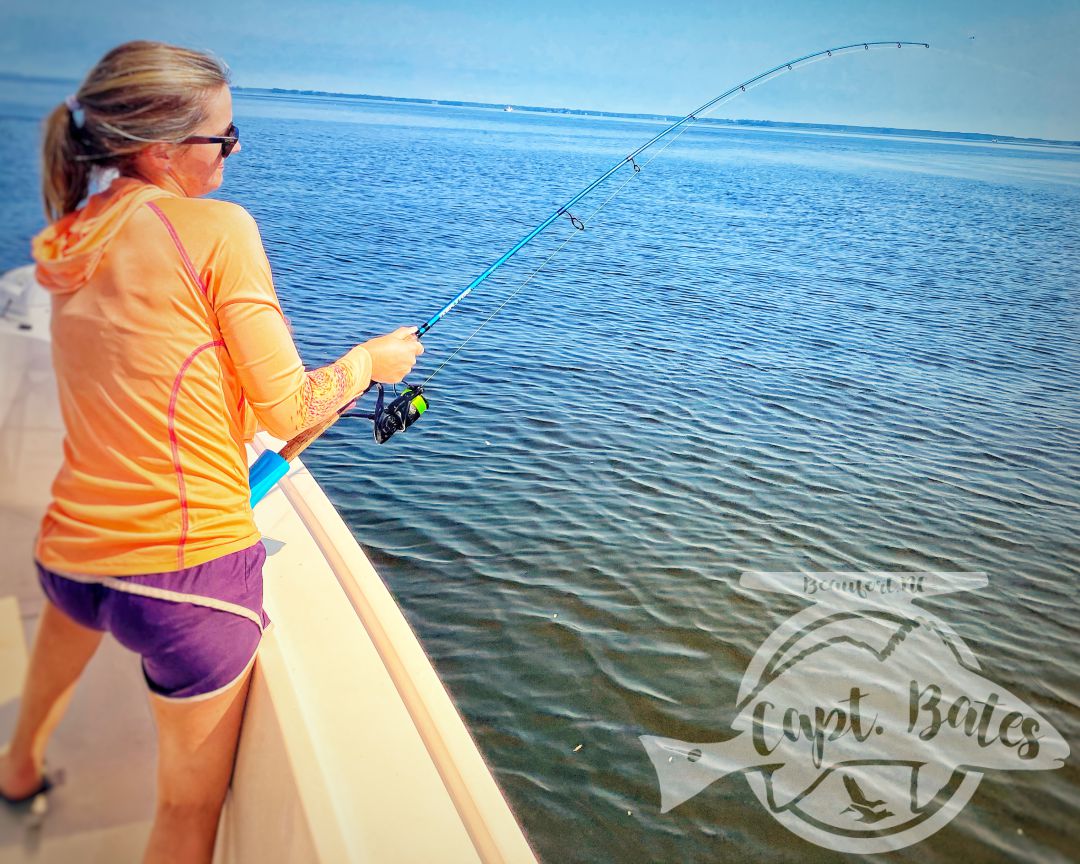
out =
column 773, row 351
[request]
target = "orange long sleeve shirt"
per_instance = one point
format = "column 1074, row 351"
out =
column 168, row 343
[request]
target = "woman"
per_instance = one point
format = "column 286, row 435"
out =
column 169, row 345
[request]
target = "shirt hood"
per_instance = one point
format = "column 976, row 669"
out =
column 68, row 251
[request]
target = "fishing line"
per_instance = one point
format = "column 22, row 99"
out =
column 409, row 405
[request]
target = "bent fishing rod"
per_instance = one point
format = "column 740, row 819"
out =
column 404, row 409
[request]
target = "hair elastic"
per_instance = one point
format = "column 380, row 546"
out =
column 78, row 115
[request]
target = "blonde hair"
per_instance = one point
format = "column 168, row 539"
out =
column 137, row 94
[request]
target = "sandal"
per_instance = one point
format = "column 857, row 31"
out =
column 45, row 786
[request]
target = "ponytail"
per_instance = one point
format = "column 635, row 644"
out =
column 65, row 175
column 138, row 94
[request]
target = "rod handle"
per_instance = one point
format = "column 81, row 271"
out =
column 301, row 442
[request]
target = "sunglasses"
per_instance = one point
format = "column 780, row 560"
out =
column 227, row 141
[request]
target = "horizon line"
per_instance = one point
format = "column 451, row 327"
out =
column 990, row 137
column 987, row 137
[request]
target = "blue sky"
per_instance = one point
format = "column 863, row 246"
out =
column 1017, row 76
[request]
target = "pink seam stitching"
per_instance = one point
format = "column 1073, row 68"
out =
column 192, row 272
column 173, row 441
column 175, row 445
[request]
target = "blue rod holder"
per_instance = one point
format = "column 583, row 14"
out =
column 267, row 470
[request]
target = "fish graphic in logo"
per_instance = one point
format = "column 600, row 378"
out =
column 864, row 724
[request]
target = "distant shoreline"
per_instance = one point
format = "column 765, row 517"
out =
column 975, row 137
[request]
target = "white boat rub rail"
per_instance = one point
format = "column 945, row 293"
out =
column 479, row 803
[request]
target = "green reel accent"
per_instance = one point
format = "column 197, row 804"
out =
column 404, row 410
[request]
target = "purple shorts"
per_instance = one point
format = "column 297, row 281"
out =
column 197, row 629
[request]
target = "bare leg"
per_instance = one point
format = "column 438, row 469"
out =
column 62, row 648
column 196, row 752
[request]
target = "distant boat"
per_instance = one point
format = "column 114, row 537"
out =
column 508, row 108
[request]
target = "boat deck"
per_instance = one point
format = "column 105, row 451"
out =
column 98, row 813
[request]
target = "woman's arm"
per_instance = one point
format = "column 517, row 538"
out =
column 284, row 397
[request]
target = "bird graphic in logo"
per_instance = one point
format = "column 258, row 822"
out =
column 867, row 810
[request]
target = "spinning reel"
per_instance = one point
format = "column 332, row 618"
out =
column 399, row 413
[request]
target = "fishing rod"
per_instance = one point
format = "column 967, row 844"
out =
column 406, row 408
